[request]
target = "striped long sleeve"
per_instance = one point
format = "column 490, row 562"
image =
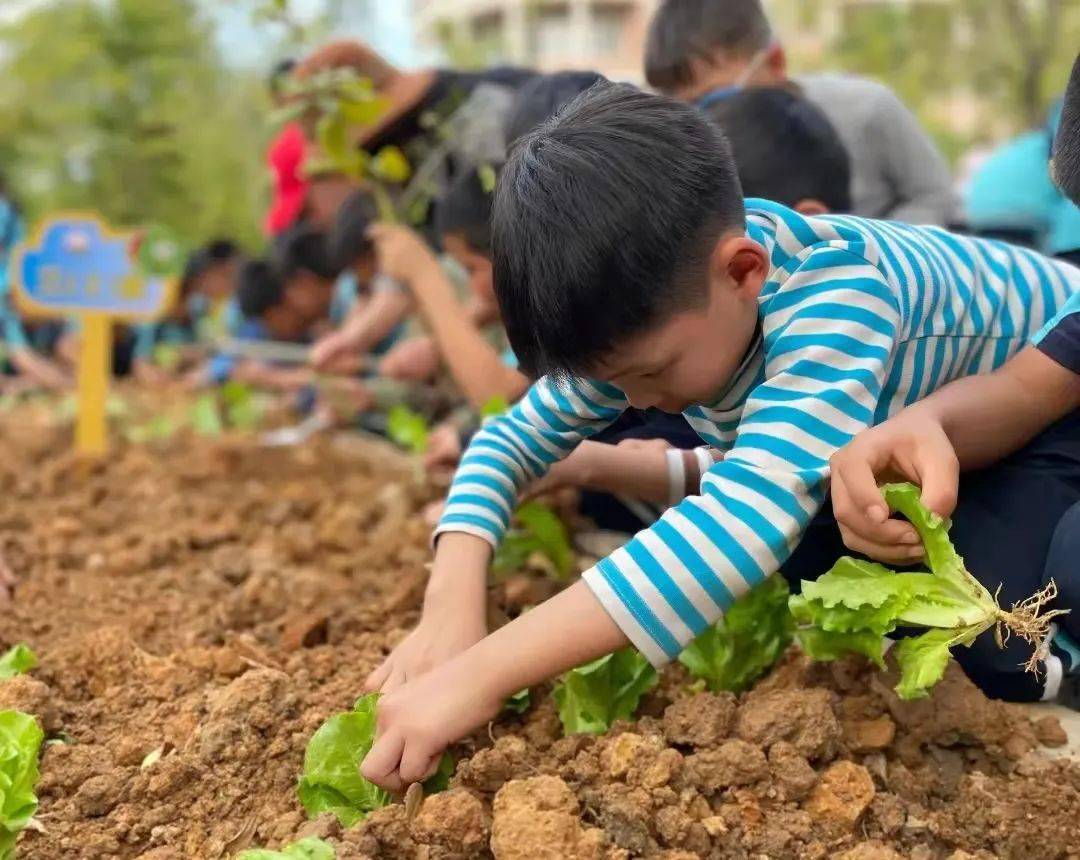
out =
column 516, row 449
column 828, row 341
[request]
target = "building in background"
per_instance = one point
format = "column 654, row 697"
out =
column 605, row 35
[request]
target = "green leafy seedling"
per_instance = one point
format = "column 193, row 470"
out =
column 306, row 849
column 855, row 605
column 206, row 415
column 331, row 781
column 592, row 697
column 408, row 429
column 18, row 660
column 518, row 703
column 20, row 743
column 746, row 642
column 536, row 528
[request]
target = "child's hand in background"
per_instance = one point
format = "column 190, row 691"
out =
column 911, row 446
column 443, row 448
column 413, row 360
column 402, row 255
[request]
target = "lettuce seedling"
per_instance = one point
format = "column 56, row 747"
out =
column 855, row 605
column 20, row 742
column 205, row 415
column 331, row 781
column 536, row 528
column 744, row 644
column 17, row 661
column 407, row 429
column 518, row 703
column 592, row 697
column 306, row 849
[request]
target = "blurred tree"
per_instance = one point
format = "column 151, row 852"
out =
column 125, row 107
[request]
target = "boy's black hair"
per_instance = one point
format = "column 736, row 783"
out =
column 348, row 240
column 785, row 148
column 543, row 97
column 466, row 209
column 303, row 249
column 605, row 218
column 259, row 288
column 685, row 30
column 199, row 262
column 1067, row 145
column 279, row 73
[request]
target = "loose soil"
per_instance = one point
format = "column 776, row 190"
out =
column 200, row 608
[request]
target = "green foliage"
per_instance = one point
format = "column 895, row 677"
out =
column 592, row 697
column 853, row 606
column 243, row 409
column 331, row 781
column 168, row 356
column 306, row 849
column 408, row 429
column 206, row 416
column 745, row 643
column 20, row 741
column 496, row 406
column 518, row 703
column 17, row 661
column 536, row 529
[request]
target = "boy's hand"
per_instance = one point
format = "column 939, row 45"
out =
column 912, row 446
column 443, row 448
column 414, row 360
column 332, row 348
column 401, row 253
column 417, row 721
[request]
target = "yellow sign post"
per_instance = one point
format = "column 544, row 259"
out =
column 75, row 267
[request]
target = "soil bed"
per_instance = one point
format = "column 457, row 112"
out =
column 200, row 608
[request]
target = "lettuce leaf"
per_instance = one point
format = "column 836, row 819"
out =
column 20, row 742
column 746, row 642
column 17, row 661
column 536, row 528
column 331, row 781
column 857, row 603
column 407, row 429
column 518, row 703
column 592, row 697
column 306, row 849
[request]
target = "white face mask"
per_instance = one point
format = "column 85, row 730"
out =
column 720, row 93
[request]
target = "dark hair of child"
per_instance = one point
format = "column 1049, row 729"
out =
column 785, row 148
column 1067, row 146
column 258, row 288
column 466, row 209
column 279, row 74
column 683, row 31
column 542, row 97
column 217, row 252
column 348, row 240
column 605, row 219
column 303, row 249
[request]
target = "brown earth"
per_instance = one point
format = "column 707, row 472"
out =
column 200, row 609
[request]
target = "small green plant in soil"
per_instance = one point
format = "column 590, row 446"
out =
column 306, row 849
column 746, row 642
column 331, row 781
column 518, row 703
column 592, row 697
column 855, row 605
column 20, row 742
column 408, row 429
column 536, row 529
column 17, row 660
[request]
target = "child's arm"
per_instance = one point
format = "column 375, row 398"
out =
column 412, row 360
column 475, row 365
column 506, row 455
column 635, row 468
column 418, row 721
column 968, row 424
column 367, row 325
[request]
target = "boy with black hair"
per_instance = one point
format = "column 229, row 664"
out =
column 786, row 150
column 631, row 273
column 703, row 51
column 543, row 97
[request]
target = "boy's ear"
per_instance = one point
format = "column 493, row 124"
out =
column 740, row 263
column 776, row 63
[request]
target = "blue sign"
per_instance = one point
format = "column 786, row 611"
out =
column 76, row 265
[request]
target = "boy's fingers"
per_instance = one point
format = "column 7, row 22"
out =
column 889, row 553
column 380, row 765
column 859, row 484
column 854, row 519
column 375, row 680
column 417, row 763
column 395, row 679
column 939, row 473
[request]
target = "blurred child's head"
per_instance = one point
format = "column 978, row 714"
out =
column 279, row 78
column 261, row 295
column 211, row 270
column 542, row 97
column 704, row 50
column 1067, row 145
column 347, row 243
column 620, row 250
column 326, row 193
column 306, row 271
column 786, row 150
column 463, row 220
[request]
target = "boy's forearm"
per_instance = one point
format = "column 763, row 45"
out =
column 988, row 417
column 640, row 474
column 459, row 574
column 568, row 630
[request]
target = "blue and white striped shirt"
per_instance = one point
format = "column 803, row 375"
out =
column 859, row 318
